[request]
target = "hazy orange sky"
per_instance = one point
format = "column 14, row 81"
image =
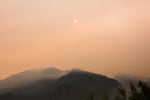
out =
column 104, row 36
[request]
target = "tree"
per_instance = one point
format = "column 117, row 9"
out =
column 145, row 89
column 122, row 94
column 135, row 94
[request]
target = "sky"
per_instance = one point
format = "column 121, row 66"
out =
column 108, row 37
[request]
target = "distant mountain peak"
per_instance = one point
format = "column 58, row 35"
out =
column 30, row 76
column 77, row 70
column 52, row 70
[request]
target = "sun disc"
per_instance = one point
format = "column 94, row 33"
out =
column 75, row 21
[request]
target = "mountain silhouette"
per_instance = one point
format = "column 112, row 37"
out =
column 30, row 76
column 70, row 85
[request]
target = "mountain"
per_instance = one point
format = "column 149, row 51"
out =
column 30, row 76
column 73, row 85
column 80, row 84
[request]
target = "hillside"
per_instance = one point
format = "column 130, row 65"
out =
column 76, row 84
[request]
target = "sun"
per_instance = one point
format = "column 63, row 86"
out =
column 75, row 21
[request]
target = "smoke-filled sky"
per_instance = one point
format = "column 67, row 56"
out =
column 104, row 36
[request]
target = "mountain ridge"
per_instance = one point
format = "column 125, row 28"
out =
column 75, row 83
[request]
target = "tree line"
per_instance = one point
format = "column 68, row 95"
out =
column 140, row 92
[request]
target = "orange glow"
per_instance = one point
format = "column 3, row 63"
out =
column 110, row 38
